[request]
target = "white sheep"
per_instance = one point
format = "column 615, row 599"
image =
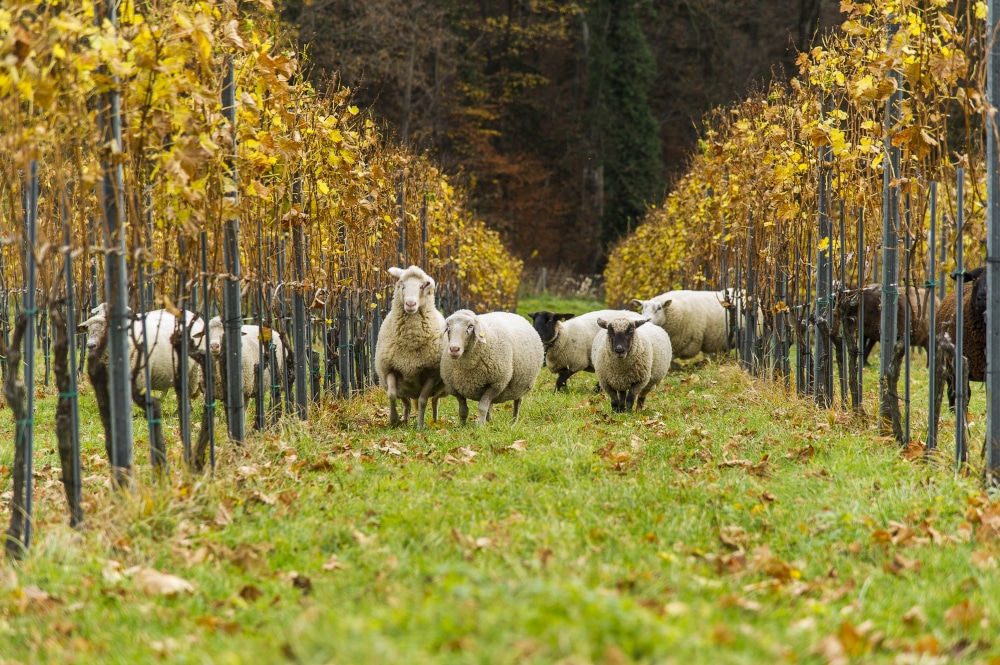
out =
column 568, row 340
column 695, row 320
column 630, row 359
column 163, row 361
column 408, row 349
column 491, row 358
column 250, row 357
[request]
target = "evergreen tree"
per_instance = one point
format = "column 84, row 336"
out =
column 621, row 70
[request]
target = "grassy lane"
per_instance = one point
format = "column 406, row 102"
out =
column 729, row 522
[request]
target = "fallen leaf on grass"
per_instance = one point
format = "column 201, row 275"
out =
column 112, row 571
column 260, row 497
column 900, row 564
column 801, row 454
column 915, row 616
column 250, row 593
column 298, row 581
column 733, row 536
column 518, row 445
column 223, row 515
column 965, row 614
column 740, row 602
column 361, row 538
column 332, row 563
column 803, row 625
column 675, row 608
column 155, row 583
column 849, row 642
column 33, row 598
column 983, row 560
column 250, row 556
column 214, row 623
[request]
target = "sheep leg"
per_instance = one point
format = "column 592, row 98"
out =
column 630, row 396
column 425, row 392
column 597, row 388
column 390, row 389
column 406, row 409
column 517, row 408
column 617, row 400
column 562, row 378
column 434, row 409
column 463, row 410
column 485, row 402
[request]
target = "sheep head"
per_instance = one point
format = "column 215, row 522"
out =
column 216, row 331
column 654, row 310
column 96, row 328
column 462, row 329
column 414, row 287
column 979, row 296
column 621, row 334
column 545, row 324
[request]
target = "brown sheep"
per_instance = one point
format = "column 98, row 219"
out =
column 872, row 298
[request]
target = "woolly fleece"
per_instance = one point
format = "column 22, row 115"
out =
column 502, row 354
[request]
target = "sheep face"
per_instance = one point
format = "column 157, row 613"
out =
column 979, row 295
column 621, row 334
column 545, row 324
column 216, row 331
column 412, row 286
column 653, row 310
column 96, row 328
column 461, row 331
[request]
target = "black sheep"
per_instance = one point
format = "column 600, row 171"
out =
column 974, row 303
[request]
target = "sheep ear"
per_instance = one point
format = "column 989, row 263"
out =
column 638, row 303
column 478, row 329
column 198, row 335
column 602, row 323
column 83, row 327
column 665, row 304
column 396, row 272
column 564, row 317
column 429, row 285
column 640, row 322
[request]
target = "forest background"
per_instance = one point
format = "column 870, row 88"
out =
column 564, row 119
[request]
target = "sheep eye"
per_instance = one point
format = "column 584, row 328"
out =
column 471, row 326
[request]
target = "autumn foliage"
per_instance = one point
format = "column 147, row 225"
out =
column 749, row 201
column 301, row 157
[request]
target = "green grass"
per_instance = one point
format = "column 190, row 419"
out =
column 553, row 304
column 730, row 522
